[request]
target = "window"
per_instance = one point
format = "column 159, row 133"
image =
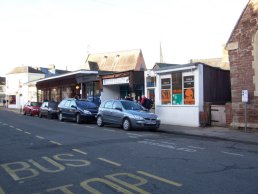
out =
column 67, row 104
column 189, row 90
column 73, row 104
column 151, row 81
column 166, row 91
column 116, row 105
column 12, row 99
column 177, row 88
column 108, row 104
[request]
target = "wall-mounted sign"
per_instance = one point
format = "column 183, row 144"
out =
column 244, row 95
column 114, row 81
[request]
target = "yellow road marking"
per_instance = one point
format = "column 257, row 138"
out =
column 39, row 137
column 18, row 129
column 160, row 179
column 79, row 151
column 27, row 132
column 54, row 142
column 110, row 162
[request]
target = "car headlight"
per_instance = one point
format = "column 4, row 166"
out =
column 158, row 118
column 87, row 112
column 138, row 117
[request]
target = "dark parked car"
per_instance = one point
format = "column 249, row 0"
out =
column 48, row 109
column 127, row 114
column 31, row 108
column 78, row 110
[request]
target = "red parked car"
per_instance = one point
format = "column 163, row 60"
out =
column 32, row 108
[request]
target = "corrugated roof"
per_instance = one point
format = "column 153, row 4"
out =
column 214, row 62
column 25, row 69
column 116, row 61
column 164, row 66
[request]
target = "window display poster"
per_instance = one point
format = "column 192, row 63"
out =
column 189, row 96
column 177, row 96
column 177, row 99
column 165, row 97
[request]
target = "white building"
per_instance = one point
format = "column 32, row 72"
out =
column 18, row 91
column 181, row 91
column 2, row 89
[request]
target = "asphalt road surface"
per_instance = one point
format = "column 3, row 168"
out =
column 42, row 156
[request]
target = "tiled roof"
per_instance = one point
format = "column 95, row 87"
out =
column 116, row 61
column 25, row 69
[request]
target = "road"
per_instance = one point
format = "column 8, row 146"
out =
column 42, row 156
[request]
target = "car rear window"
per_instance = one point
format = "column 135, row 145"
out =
column 52, row 104
column 36, row 103
column 129, row 105
column 85, row 104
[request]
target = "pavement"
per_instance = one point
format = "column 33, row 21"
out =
column 220, row 133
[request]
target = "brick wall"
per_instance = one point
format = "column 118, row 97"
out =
column 241, row 48
column 228, row 107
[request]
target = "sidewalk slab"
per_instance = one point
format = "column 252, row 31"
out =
column 213, row 132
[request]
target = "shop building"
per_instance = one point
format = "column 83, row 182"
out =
column 2, row 90
column 180, row 92
column 17, row 92
column 81, row 84
column 121, row 73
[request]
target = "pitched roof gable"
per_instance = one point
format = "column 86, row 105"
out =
column 116, row 61
column 25, row 69
column 245, row 10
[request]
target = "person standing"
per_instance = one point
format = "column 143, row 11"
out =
column 143, row 101
column 4, row 102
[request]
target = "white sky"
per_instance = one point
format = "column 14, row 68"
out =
column 42, row 32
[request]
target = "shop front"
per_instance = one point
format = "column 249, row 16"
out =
column 123, row 84
column 81, row 84
column 181, row 91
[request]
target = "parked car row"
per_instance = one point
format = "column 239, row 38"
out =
column 124, row 113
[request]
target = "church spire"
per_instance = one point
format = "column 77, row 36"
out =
column 161, row 54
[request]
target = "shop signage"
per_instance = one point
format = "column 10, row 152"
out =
column 114, row 81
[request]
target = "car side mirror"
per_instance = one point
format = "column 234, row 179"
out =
column 73, row 107
column 118, row 108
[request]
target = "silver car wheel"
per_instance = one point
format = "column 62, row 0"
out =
column 60, row 116
column 126, row 125
column 100, row 121
column 78, row 118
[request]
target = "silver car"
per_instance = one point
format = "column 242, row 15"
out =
column 127, row 114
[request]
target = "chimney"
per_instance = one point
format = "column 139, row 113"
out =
column 51, row 68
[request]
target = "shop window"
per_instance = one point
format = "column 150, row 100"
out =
column 166, row 91
column 12, row 99
column 151, row 95
column 151, row 81
column 177, row 92
column 189, row 90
